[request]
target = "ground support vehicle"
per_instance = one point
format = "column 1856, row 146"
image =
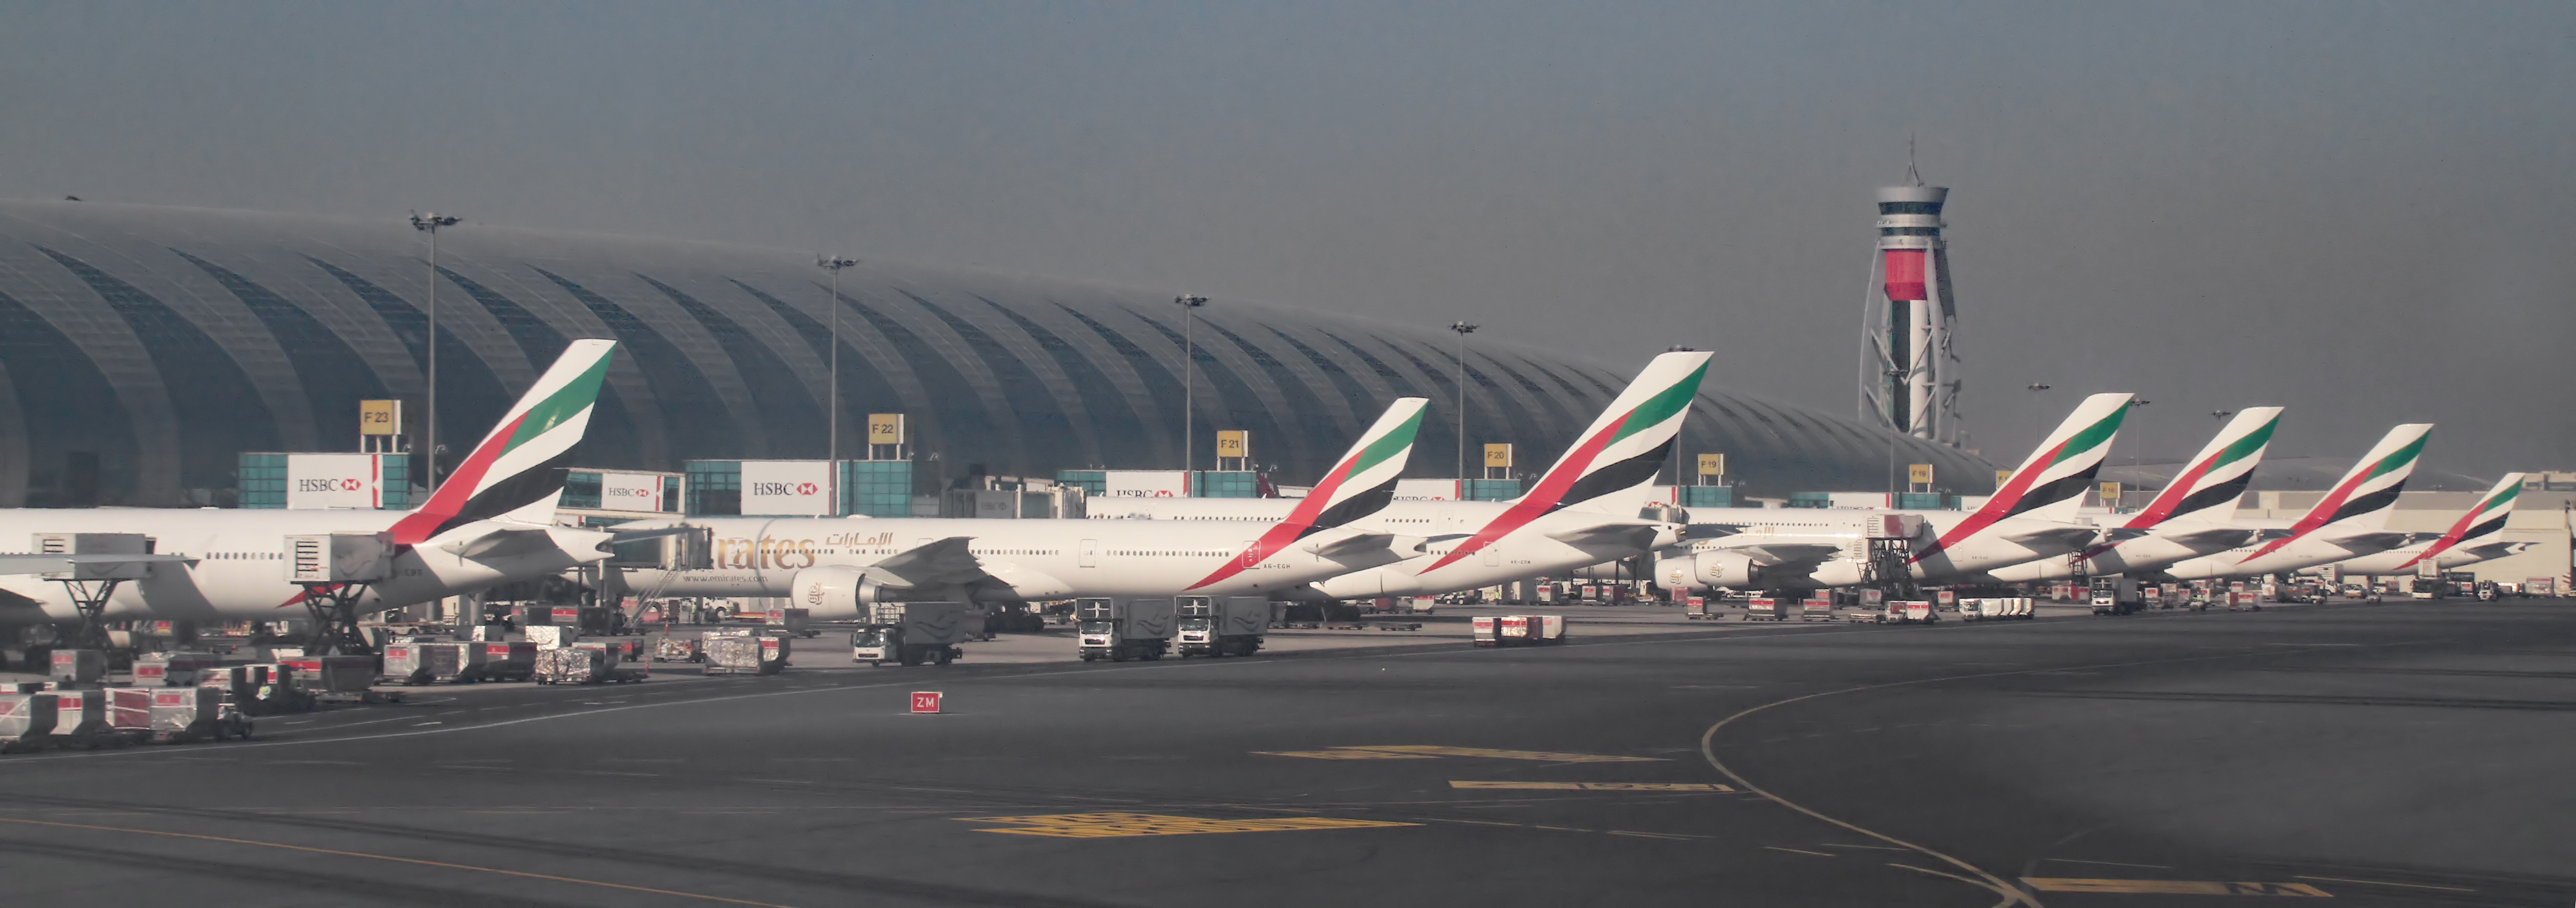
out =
column 586, row 663
column 2116, row 596
column 79, row 666
column 911, row 633
column 1696, row 608
column 340, row 679
column 1763, row 609
column 1816, row 608
column 1123, row 629
column 1996, row 608
column 1911, row 611
column 1225, row 625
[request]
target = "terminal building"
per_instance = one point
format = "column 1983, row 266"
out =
column 144, row 350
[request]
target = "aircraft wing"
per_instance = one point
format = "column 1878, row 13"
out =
column 102, row 565
column 2212, row 539
column 2067, row 535
column 502, row 542
column 2366, row 543
column 1632, row 534
column 1788, row 554
column 939, row 562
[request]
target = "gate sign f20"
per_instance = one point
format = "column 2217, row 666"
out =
column 787, row 487
column 333, row 481
column 630, row 491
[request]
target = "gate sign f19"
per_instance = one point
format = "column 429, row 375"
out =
column 787, row 487
column 316, row 481
column 630, row 491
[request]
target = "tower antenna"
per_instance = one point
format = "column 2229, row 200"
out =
column 1910, row 175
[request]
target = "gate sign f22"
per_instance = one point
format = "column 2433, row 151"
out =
column 333, row 481
column 787, row 487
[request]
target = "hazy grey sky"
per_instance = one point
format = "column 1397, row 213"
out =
column 2361, row 212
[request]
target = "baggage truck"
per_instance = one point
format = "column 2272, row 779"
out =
column 1123, row 629
column 1222, row 625
column 2116, row 595
column 910, row 633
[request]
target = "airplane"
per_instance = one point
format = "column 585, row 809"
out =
column 2478, row 536
column 2028, row 518
column 2190, row 518
column 1585, row 510
column 2350, row 521
column 837, row 566
column 490, row 522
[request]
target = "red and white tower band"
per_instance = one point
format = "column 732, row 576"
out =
column 1909, row 376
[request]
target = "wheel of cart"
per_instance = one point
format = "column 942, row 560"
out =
column 944, row 655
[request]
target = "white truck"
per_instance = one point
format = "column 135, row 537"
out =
column 2116, row 595
column 911, row 633
column 1123, row 629
column 1222, row 625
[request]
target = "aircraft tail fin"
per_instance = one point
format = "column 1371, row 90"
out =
column 2213, row 480
column 517, row 471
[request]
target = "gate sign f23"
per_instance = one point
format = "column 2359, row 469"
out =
column 787, row 487
column 333, row 481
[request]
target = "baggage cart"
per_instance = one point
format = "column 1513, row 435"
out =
column 79, row 666
column 26, row 722
column 195, row 714
column 80, row 720
column 739, row 653
column 1762, row 609
column 506, row 660
column 678, row 649
column 552, row 636
column 172, row 669
column 1816, row 608
column 1487, row 630
column 341, row 677
column 1697, row 608
column 570, row 665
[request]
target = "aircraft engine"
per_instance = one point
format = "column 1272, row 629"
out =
column 1708, row 570
column 837, row 593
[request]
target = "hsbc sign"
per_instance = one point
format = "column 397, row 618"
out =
column 787, row 487
column 318, row 481
column 630, row 491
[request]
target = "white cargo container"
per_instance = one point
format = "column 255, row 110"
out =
column 26, row 721
column 1222, row 626
column 1123, row 629
column 910, row 633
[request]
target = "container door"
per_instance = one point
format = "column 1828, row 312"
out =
column 1090, row 553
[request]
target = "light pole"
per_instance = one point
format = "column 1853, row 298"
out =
column 429, row 224
column 2137, row 440
column 1463, row 330
column 832, row 372
column 1189, row 379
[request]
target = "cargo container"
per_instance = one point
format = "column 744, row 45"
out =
column 1697, row 608
column 195, row 714
column 1228, row 625
column 1486, row 630
column 677, row 649
column 171, row 669
column 79, row 666
column 344, row 674
column 26, row 722
column 571, row 665
column 910, row 633
column 80, row 720
column 1530, row 630
column 1123, row 629
column 739, row 652
column 1762, row 609
column 506, row 660
column 1816, row 608
column 552, row 636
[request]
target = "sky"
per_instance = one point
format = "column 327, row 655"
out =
column 2357, row 211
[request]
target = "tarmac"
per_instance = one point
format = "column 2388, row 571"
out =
column 2404, row 753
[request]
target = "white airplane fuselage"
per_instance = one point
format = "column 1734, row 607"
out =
column 1037, row 559
column 2325, row 545
column 240, row 571
column 1532, row 550
column 1991, row 547
column 2165, row 546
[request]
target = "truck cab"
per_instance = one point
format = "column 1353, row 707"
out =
column 1220, row 626
column 1123, row 629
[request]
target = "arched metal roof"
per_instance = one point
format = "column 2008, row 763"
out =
column 165, row 341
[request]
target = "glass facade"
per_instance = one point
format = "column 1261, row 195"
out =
column 144, row 349
column 876, row 488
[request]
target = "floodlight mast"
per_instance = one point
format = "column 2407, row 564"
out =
column 1189, row 383
column 429, row 223
column 1463, row 330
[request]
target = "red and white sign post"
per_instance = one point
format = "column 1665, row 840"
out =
column 925, row 702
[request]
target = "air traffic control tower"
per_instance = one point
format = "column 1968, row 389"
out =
column 1909, row 376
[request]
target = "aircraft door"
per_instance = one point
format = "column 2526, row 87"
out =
column 1090, row 553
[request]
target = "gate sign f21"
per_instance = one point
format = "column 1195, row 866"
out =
column 316, row 481
column 787, row 487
